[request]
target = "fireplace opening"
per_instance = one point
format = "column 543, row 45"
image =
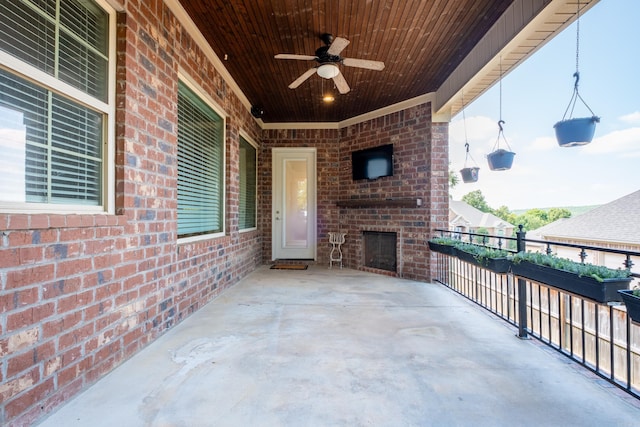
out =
column 380, row 250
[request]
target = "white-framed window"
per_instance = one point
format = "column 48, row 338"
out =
column 247, row 211
column 57, row 68
column 201, row 177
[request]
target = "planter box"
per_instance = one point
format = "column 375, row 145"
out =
column 443, row 249
column 497, row 265
column 588, row 287
column 633, row 304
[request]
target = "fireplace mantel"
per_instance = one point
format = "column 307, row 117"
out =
column 374, row 203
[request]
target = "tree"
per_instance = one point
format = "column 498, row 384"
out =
column 504, row 213
column 532, row 219
column 454, row 179
column 555, row 214
column 477, row 200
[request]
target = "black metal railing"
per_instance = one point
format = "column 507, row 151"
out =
column 599, row 336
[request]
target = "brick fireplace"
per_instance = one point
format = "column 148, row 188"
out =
column 380, row 250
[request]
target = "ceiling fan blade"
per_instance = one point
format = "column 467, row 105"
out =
column 294, row 56
column 337, row 45
column 363, row 63
column 341, row 84
column 297, row 82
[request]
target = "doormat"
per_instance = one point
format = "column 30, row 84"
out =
column 289, row 267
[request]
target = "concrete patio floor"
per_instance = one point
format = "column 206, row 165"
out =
column 336, row 347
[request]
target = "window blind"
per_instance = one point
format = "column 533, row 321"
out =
column 71, row 46
column 247, row 210
column 62, row 165
column 58, row 141
column 200, row 166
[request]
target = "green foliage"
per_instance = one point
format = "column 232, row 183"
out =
column 530, row 219
column 504, row 213
column 582, row 269
column 555, row 214
column 483, row 253
column 481, row 239
column 454, row 179
column 477, row 200
column 445, row 241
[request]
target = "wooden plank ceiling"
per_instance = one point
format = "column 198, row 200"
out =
column 420, row 42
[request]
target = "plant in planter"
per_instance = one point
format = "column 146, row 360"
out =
column 631, row 299
column 443, row 245
column 595, row 282
column 496, row 260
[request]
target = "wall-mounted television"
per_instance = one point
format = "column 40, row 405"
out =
column 372, row 163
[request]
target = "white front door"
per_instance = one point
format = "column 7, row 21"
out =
column 294, row 203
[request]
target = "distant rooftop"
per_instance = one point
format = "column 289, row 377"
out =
column 476, row 217
column 617, row 222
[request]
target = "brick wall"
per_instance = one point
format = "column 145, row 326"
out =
column 419, row 151
column 82, row 293
column 326, row 143
column 420, row 171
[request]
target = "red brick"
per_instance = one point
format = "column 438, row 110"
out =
column 29, row 317
column 9, row 258
column 18, row 222
column 75, row 337
column 39, row 221
column 18, row 385
column 75, row 301
column 35, row 394
column 29, row 275
column 72, row 267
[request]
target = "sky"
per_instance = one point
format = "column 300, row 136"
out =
column 535, row 96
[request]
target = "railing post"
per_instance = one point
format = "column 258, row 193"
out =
column 521, row 246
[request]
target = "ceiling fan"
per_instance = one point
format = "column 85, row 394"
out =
column 328, row 57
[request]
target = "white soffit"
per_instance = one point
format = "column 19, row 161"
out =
column 525, row 27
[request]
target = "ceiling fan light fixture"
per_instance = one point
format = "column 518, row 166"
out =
column 328, row 71
column 328, row 98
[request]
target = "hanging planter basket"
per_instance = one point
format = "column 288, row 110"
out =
column 576, row 132
column 500, row 160
column 470, row 174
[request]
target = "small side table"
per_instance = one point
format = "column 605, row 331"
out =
column 336, row 240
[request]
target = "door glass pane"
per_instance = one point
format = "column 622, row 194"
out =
column 296, row 205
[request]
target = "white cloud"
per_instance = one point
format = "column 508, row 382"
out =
column 478, row 128
column 543, row 143
column 624, row 142
column 633, row 118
